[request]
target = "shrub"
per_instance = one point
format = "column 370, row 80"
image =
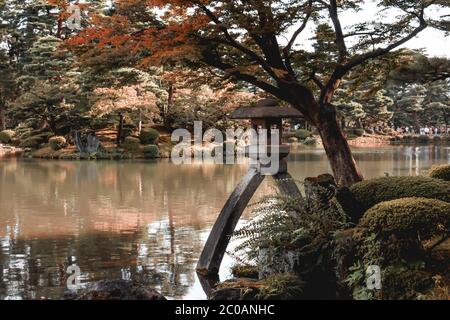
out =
column 407, row 217
column 368, row 193
column 131, row 144
column 392, row 235
column 310, row 141
column 6, row 136
column 57, row 143
column 128, row 130
column 406, row 284
column 292, row 140
column 423, row 139
column 441, row 172
column 32, row 142
column 149, row 136
column 151, row 151
column 437, row 139
column 302, row 134
column 358, row 132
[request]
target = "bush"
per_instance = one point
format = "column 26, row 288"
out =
column 6, row 136
column 406, row 284
column 310, row 141
column 131, row 144
column 408, row 217
column 302, row 134
column 423, row 139
column 33, row 142
column 149, row 136
column 151, row 151
column 128, row 130
column 393, row 235
column 57, row 143
column 357, row 132
column 441, row 172
column 368, row 193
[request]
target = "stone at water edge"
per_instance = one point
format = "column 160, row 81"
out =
column 115, row 290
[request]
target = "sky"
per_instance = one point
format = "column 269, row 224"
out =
column 434, row 42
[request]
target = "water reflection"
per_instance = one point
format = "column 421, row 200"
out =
column 135, row 220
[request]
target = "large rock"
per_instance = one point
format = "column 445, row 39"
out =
column 115, row 290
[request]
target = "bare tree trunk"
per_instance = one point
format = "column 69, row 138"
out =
column 169, row 106
column 416, row 122
column 140, row 122
column 2, row 118
column 120, row 130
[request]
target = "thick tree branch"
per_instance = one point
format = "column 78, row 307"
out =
column 382, row 51
column 316, row 80
column 265, row 37
column 215, row 61
column 287, row 49
column 340, row 42
column 232, row 42
column 300, row 29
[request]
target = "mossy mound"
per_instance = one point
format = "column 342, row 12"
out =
column 406, row 284
column 151, row 151
column 34, row 142
column 131, row 144
column 408, row 217
column 441, row 172
column 283, row 286
column 368, row 193
column 243, row 271
column 6, row 136
column 149, row 136
column 57, row 143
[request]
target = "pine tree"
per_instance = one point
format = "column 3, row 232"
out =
column 437, row 103
column 411, row 102
column 47, row 88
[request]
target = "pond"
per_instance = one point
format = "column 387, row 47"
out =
column 144, row 221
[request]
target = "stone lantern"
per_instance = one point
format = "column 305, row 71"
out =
column 267, row 114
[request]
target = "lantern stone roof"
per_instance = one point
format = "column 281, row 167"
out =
column 265, row 109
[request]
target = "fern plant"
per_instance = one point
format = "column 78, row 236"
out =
column 289, row 228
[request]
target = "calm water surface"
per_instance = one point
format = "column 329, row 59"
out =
column 144, row 221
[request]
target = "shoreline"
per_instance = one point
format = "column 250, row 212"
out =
column 70, row 153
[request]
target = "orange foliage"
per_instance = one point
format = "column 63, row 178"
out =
column 172, row 41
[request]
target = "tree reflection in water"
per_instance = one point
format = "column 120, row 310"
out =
column 136, row 220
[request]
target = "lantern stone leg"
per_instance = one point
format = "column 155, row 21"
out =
column 211, row 257
column 286, row 185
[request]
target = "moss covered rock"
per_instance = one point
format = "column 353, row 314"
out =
column 441, row 172
column 368, row 193
column 408, row 217
column 243, row 271
column 149, row 136
column 406, row 284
